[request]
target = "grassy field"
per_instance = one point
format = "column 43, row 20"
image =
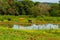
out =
column 12, row 34
column 23, row 19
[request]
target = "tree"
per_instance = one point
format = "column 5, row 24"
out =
column 24, row 6
column 44, row 9
column 12, row 10
column 28, row 7
column 3, row 6
column 35, row 11
column 54, row 10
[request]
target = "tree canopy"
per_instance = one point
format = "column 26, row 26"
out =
column 28, row 7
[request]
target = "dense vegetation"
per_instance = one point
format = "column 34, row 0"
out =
column 24, row 19
column 28, row 7
column 21, row 11
column 11, row 34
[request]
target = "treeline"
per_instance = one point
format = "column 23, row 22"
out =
column 14, row 7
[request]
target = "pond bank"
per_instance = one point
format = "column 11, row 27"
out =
column 40, row 22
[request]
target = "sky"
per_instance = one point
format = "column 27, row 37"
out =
column 51, row 1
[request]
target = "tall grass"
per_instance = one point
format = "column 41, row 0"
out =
column 26, row 18
column 12, row 34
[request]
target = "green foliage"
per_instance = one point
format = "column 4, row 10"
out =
column 7, row 18
column 54, row 10
column 28, row 7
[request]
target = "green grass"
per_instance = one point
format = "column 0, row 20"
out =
column 12, row 34
column 37, row 20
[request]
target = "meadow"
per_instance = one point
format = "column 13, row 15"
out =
column 7, row 33
column 25, row 13
column 24, row 19
column 13, row 34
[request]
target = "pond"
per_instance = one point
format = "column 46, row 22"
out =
column 37, row 27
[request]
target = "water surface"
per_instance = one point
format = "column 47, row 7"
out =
column 36, row 27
